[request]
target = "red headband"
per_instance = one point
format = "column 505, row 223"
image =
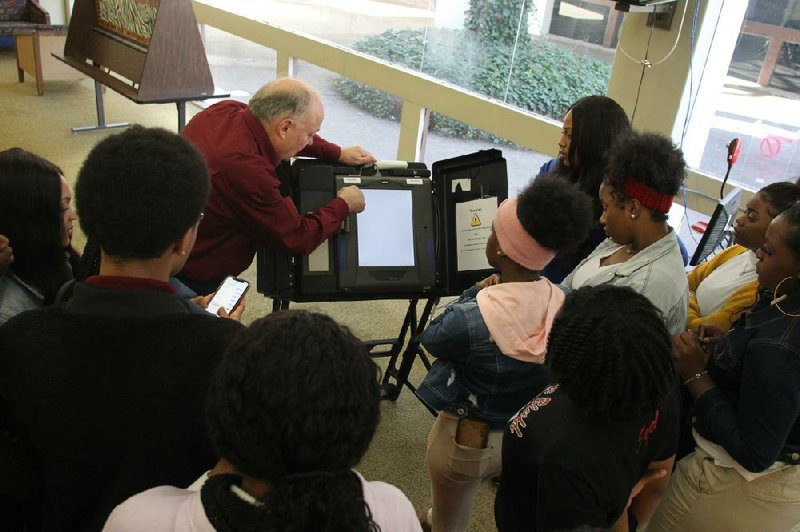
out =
column 649, row 197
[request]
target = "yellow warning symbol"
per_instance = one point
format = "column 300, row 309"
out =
column 476, row 221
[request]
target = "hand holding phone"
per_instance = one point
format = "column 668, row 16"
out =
column 228, row 295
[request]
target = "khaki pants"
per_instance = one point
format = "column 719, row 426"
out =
column 456, row 472
column 705, row 497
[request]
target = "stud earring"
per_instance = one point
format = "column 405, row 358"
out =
column 500, row 253
column 633, row 216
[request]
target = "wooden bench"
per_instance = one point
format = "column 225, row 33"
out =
column 34, row 39
column 16, row 13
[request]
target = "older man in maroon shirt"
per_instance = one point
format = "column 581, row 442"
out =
column 243, row 144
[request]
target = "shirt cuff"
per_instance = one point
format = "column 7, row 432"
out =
column 471, row 292
column 340, row 207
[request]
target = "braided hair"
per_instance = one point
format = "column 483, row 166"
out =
column 295, row 402
column 611, row 352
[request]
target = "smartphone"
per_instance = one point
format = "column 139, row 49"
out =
column 228, row 295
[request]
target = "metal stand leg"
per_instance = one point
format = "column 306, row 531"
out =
column 409, row 355
column 101, row 113
column 181, row 115
column 279, row 304
column 395, row 378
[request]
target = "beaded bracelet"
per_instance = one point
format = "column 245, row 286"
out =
column 694, row 377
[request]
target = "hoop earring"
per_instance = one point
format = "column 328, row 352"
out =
column 777, row 300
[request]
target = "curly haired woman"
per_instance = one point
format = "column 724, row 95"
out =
column 291, row 410
column 645, row 171
column 490, row 344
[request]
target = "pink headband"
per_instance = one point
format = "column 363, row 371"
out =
column 647, row 196
column 516, row 242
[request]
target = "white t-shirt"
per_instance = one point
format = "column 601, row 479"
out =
column 171, row 509
column 591, row 267
column 717, row 288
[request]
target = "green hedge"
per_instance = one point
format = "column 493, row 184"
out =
column 498, row 21
column 546, row 79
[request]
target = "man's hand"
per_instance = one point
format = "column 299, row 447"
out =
column 6, row 254
column 355, row 156
column 354, row 198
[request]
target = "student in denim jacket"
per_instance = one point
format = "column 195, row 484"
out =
column 744, row 474
column 490, row 344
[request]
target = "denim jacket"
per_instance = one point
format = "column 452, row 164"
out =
column 656, row 272
column 471, row 375
column 752, row 411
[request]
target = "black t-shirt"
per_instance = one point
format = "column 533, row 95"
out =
column 563, row 469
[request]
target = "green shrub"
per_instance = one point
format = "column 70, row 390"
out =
column 497, row 21
column 545, row 79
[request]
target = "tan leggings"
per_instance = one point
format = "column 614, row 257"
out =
column 456, row 473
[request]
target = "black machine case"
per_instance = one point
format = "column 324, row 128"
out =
column 333, row 272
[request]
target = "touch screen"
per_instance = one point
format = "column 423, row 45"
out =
column 385, row 229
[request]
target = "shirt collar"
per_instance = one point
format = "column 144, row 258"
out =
column 260, row 135
column 763, row 312
column 650, row 254
column 130, row 283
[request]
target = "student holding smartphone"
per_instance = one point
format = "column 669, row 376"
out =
column 106, row 390
column 228, row 296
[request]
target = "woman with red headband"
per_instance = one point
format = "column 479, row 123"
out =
column 645, row 171
column 490, row 344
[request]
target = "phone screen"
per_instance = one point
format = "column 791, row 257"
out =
column 228, row 295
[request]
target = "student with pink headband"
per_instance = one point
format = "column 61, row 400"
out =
column 490, row 344
column 644, row 172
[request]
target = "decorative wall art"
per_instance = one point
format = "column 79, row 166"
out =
column 131, row 19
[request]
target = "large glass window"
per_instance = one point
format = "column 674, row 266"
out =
column 522, row 164
column 514, row 51
column 760, row 100
column 526, row 53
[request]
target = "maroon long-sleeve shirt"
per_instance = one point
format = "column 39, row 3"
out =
column 245, row 209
